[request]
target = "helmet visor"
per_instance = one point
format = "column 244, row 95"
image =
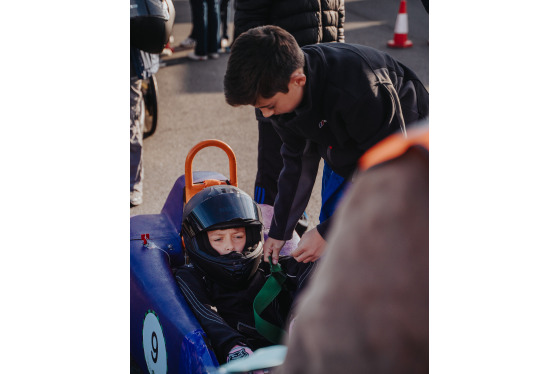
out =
column 221, row 209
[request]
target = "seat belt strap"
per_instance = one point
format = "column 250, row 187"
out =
column 266, row 295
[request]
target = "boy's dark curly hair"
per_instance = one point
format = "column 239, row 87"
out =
column 261, row 63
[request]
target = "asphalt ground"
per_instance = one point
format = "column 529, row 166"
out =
column 192, row 107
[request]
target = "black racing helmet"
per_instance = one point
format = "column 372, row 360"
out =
column 223, row 207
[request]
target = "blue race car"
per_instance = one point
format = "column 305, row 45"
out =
column 165, row 336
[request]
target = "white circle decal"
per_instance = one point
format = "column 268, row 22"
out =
column 154, row 344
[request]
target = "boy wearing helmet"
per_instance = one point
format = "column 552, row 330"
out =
column 225, row 241
column 222, row 232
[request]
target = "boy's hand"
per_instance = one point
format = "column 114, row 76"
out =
column 272, row 248
column 310, row 247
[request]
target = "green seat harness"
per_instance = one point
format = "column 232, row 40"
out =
column 266, row 295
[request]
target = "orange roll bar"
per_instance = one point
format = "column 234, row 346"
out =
column 192, row 189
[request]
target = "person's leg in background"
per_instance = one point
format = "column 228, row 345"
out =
column 224, row 20
column 213, row 27
column 206, row 22
column 136, row 135
column 198, row 8
column 190, row 41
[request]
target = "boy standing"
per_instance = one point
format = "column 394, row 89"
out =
column 310, row 22
column 333, row 101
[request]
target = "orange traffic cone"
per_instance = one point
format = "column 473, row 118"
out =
column 400, row 39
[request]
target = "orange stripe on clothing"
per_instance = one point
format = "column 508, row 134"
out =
column 394, row 146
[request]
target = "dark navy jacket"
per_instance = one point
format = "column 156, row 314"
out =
column 354, row 97
column 226, row 314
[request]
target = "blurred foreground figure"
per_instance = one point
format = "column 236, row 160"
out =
column 366, row 308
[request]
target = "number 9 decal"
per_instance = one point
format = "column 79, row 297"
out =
column 154, row 344
column 154, row 349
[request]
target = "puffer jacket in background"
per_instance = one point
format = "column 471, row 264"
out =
column 309, row 21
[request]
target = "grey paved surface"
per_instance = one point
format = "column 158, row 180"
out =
column 192, row 106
